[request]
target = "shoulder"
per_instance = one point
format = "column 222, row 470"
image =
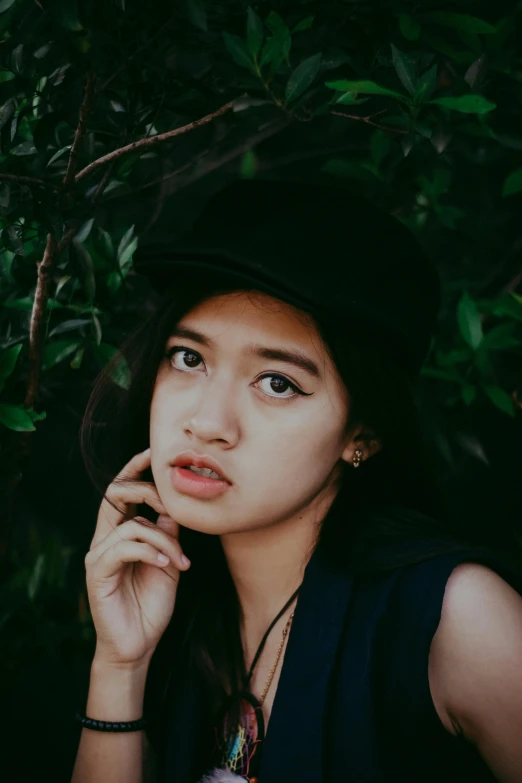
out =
column 475, row 663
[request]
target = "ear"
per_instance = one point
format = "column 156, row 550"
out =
column 361, row 439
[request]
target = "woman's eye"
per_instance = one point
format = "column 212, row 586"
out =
column 187, row 362
column 278, row 385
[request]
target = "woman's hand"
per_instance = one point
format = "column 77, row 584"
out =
column 131, row 593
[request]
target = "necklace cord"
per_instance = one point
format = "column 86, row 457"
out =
column 265, row 637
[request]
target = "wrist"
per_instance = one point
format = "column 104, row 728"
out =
column 116, row 691
column 103, row 662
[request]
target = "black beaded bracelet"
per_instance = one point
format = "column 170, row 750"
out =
column 102, row 725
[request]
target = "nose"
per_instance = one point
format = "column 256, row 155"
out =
column 213, row 416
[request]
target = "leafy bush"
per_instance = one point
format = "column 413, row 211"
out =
column 105, row 116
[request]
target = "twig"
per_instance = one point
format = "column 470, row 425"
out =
column 152, row 140
column 36, row 329
column 165, row 177
column 101, row 185
column 368, row 120
column 318, row 152
column 72, row 165
column 52, row 250
column 513, row 284
column 134, row 54
column 214, row 163
column 28, row 180
column 66, row 239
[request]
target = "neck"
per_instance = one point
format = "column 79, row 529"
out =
column 267, row 565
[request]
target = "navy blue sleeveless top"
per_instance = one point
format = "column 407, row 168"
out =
column 353, row 700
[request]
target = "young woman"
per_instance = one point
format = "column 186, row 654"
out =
column 330, row 623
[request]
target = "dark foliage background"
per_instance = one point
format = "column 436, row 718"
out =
column 115, row 116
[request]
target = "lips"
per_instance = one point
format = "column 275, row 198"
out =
column 200, row 461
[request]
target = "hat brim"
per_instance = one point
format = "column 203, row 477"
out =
column 219, row 270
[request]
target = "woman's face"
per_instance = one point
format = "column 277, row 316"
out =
column 220, row 397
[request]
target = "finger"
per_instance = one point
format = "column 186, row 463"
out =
column 109, row 563
column 112, row 510
column 169, row 525
column 144, row 531
column 132, row 493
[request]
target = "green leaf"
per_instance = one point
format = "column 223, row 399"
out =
column 348, row 99
column 254, row 32
column 58, row 154
column 8, row 359
column 66, row 12
column 106, row 243
column 16, row 58
column 470, row 104
column 237, row 50
column 501, row 399
column 513, row 183
column 426, row 86
column 126, row 247
column 405, row 69
column 469, row 24
column 76, row 361
column 302, row 77
column 196, row 13
column 457, row 356
column 57, row 351
column 84, row 231
column 35, row 578
column 365, row 87
column 5, row 5
column 6, row 112
column 97, row 329
column 409, row 27
column 70, row 326
column 450, row 375
column 121, row 372
column 380, row 146
column 468, row 393
column 85, row 269
column 277, row 47
column 26, row 303
column 468, row 318
column 304, row 24
column 113, row 281
column 25, row 148
column 509, row 305
column 16, row 418
column 500, row 338
column 248, row 165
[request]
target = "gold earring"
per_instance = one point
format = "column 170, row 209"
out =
column 356, row 461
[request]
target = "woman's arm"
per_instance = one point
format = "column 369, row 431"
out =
column 476, row 665
column 116, row 693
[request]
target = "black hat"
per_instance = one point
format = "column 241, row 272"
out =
column 329, row 252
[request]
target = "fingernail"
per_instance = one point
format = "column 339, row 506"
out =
column 185, row 560
column 146, row 452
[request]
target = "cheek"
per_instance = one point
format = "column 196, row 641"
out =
column 162, row 414
column 308, row 449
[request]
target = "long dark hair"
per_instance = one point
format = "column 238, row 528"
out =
column 389, row 498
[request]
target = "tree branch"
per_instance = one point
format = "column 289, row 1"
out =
column 152, row 140
column 213, row 163
column 28, row 180
column 102, row 184
column 36, row 330
column 52, row 250
column 72, row 165
column 368, row 120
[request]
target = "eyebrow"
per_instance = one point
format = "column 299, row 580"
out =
column 276, row 354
